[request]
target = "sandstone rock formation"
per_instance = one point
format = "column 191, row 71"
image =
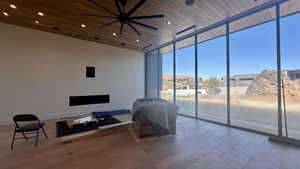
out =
column 265, row 84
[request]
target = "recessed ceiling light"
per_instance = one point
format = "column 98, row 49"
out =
column 13, row 6
column 114, row 34
column 5, row 13
column 37, row 22
column 137, row 40
column 83, row 25
column 41, row 13
column 168, row 22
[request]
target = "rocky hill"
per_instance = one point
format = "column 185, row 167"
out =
column 265, row 84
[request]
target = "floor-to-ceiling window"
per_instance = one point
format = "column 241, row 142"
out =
column 253, row 60
column 253, row 73
column 211, row 51
column 290, row 56
column 167, row 65
column 185, row 76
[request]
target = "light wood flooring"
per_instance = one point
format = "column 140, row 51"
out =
column 197, row 145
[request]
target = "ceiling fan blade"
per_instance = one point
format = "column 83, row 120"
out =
column 137, row 6
column 121, row 29
column 147, row 17
column 144, row 25
column 132, row 27
column 101, row 16
column 107, row 24
column 100, row 6
column 118, row 6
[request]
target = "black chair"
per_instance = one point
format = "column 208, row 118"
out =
column 27, row 124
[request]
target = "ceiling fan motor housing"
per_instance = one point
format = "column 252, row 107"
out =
column 123, row 18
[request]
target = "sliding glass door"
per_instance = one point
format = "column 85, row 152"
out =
column 290, row 39
column 253, row 74
column 185, row 76
column 212, row 102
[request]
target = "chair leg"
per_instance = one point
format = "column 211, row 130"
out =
column 13, row 140
column 37, row 137
column 44, row 133
column 24, row 136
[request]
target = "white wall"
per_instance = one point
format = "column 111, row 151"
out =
column 39, row 71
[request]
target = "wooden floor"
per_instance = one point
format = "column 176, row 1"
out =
column 197, row 145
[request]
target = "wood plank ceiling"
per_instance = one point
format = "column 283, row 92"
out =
column 65, row 15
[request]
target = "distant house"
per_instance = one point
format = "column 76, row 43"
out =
column 240, row 80
column 246, row 79
column 294, row 74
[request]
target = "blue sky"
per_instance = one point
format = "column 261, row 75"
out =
column 251, row 51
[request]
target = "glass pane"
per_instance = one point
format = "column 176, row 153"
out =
column 212, row 101
column 253, row 80
column 166, row 88
column 290, row 39
column 185, row 76
column 152, row 74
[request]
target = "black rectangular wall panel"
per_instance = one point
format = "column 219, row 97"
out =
column 90, row 72
column 86, row 100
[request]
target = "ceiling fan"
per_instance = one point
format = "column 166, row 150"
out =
column 124, row 17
